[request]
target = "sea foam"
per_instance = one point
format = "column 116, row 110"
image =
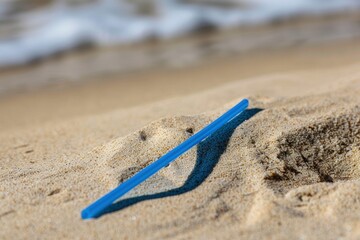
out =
column 61, row 27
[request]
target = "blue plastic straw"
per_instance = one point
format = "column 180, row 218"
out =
column 97, row 208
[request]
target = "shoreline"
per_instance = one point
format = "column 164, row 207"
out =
column 126, row 90
column 86, row 65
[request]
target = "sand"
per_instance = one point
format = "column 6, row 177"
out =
column 103, row 94
column 288, row 168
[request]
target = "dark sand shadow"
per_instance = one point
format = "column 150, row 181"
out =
column 209, row 152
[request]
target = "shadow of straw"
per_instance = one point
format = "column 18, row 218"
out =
column 209, row 152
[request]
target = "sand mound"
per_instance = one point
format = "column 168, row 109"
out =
column 324, row 150
column 322, row 146
column 282, row 159
column 150, row 143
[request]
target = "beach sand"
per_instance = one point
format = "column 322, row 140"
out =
column 288, row 168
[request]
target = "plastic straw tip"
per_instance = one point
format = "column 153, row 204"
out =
column 246, row 101
column 86, row 215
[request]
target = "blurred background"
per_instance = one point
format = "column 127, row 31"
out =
column 68, row 58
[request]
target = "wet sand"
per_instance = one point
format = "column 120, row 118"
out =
column 99, row 95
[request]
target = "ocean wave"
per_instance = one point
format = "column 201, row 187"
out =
column 61, row 27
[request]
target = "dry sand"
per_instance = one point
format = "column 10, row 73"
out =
column 288, row 168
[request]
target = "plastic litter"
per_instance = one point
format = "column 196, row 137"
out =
column 99, row 206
